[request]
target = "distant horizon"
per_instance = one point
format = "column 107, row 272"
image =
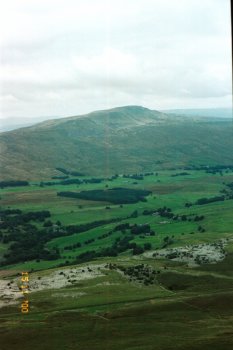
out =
column 108, row 108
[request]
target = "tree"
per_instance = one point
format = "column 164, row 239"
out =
column 134, row 214
column 138, row 250
column 147, row 246
column 48, row 223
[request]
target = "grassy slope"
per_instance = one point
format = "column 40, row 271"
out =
column 126, row 316
column 122, row 314
column 107, row 142
column 168, row 191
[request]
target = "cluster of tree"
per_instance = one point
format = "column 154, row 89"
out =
column 71, row 182
column 230, row 185
column 73, row 246
column 90, row 240
column 105, row 235
column 228, row 191
column 214, row 171
column 218, row 169
column 148, row 212
column 133, row 229
column 134, row 176
column 6, row 212
column 21, row 254
column 93, row 180
column 209, row 167
column 139, row 176
column 180, row 174
column 122, row 227
column 29, row 241
column 119, row 246
column 70, row 172
column 201, row 229
column 167, row 212
column 60, row 177
column 89, row 225
column 199, row 217
column 115, row 195
column 188, row 204
column 76, row 173
column 13, row 183
column 134, row 214
column 48, row 183
column 141, row 229
column 123, row 244
column 202, row 201
column 13, row 218
column 63, row 170
column 163, row 212
column 182, row 217
column 113, row 177
column 138, row 273
column 167, row 241
column 86, row 256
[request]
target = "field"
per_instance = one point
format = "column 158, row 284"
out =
column 121, row 296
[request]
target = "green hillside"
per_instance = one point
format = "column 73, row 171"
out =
column 156, row 274
column 121, row 140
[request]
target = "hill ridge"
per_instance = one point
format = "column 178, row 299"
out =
column 120, row 140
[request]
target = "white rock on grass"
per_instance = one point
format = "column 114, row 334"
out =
column 193, row 255
column 10, row 292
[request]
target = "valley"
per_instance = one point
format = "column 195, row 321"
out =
column 149, row 265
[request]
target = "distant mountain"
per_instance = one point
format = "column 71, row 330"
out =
column 121, row 140
column 8, row 127
column 8, row 124
column 204, row 112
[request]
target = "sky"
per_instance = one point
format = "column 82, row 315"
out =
column 69, row 57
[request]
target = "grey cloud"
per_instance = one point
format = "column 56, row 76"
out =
column 64, row 58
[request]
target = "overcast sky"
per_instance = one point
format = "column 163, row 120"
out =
column 68, row 57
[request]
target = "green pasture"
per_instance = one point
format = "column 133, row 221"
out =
column 167, row 190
